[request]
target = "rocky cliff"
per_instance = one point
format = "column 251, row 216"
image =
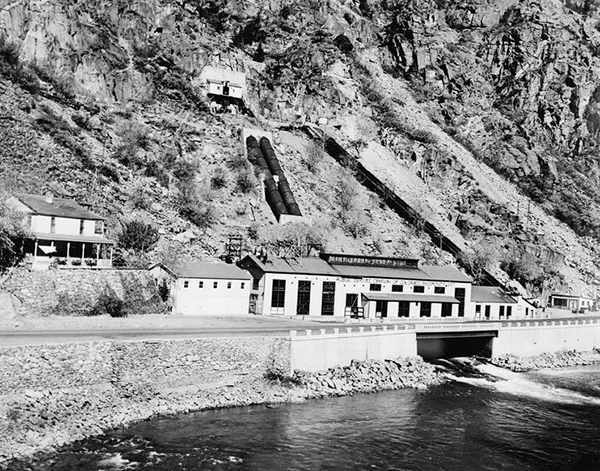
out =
column 489, row 111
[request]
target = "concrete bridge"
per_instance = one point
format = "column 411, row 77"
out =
column 315, row 350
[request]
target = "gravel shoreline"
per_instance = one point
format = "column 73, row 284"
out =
column 39, row 422
column 43, row 421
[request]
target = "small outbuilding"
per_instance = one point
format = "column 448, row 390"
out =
column 214, row 289
column 573, row 302
column 493, row 303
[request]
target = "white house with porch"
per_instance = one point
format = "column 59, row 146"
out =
column 342, row 286
column 62, row 231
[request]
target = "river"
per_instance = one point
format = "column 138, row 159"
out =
column 484, row 419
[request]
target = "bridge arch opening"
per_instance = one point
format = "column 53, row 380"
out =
column 432, row 347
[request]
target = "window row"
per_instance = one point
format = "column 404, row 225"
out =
column 400, row 288
column 502, row 311
column 304, row 297
column 186, row 284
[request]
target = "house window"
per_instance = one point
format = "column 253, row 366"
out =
column 186, row 284
column 81, row 226
column 460, row 294
column 201, row 284
column 328, row 299
column 375, row 287
column 501, row 312
column 403, row 308
column 52, row 225
column 397, row 288
column 439, row 290
column 255, row 282
column 278, row 293
column 98, row 227
column 446, row 309
column 229, row 285
column 425, row 310
column 508, row 311
column 303, row 304
column 488, row 310
column 215, row 284
column 478, row 309
column 418, row 289
column 243, row 285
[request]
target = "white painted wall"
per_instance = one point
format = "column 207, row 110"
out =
column 535, row 337
column 208, row 300
column 348, row 285
column 318, row 352
column 63, row 226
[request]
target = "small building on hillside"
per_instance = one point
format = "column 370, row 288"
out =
column 573, row 302
column 205, row 288
column 62, row 231
column 493, row 303
column 342, row 285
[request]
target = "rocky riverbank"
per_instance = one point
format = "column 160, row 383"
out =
column 547, row 360
column 45, row 420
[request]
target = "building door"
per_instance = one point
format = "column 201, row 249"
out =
column 459, row 294
column 446, row 309
column 226, row 88
column 381, row 308
column 351, row 304
column 425, row 309
column 303, row 304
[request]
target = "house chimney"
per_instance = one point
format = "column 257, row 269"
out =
column 49, row 197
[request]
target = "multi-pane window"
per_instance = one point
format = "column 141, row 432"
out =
column 186, row 283
column 229, row 285
column 446, row 309
column 459, row 294
column 303, row 304
column 488, row 310
column 397, row 288
column 375, row 287
column 418, row 289
column 52, row 225
column 98, row 226
column 278, row 293
column 439, row 290
column 425, row 309
column 215, row 284
column 242, row 285
column 81, row 226
column 508, row 311
column 501, row 312
column 403, row 308
column 328, row 299
column 201, row 284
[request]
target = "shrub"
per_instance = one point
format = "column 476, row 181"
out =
column 245, row 182
column 219, row 178
column 108, row 303
column 202, row 216
column 138, row 236
column 163, row 290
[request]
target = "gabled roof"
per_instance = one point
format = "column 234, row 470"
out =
column 60, row 207
column 490, row 294
column 218, row 271
column 304, row 265
column 318, row 266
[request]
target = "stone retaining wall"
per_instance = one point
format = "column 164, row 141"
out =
column 74, row 292
column 55, row 394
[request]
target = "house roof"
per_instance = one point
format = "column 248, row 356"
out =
column 410, row 297
column 424, row 273
column 219, row 271
column 570, row 296
column 60, row 207
column 318, row 266
column 305, row 265
column 490, row 294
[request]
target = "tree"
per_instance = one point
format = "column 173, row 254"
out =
column 138, row 236
column 11, row 237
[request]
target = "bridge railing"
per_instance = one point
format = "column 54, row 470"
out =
column 352, row 330
column 550, row 323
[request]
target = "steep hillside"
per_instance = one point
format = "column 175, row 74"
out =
column 482, row 115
